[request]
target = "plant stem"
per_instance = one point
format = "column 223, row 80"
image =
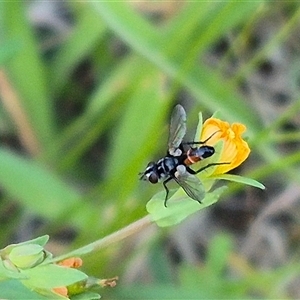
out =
column 117, row 236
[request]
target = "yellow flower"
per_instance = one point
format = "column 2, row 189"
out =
column 235, row 149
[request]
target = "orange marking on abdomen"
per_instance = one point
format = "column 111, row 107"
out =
column 191, row 160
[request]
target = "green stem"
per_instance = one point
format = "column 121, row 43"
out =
column 117, row 236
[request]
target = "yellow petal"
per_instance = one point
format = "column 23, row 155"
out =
column 235, row 149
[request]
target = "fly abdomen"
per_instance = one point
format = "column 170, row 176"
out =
column 196, row 154
column 205, row 151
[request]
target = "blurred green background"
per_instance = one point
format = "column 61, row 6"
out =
column 86, row 91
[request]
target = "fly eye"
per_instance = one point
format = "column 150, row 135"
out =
column 153, row 178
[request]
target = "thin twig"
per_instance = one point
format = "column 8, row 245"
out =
column 117, row 236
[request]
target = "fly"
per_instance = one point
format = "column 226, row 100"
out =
column 175, row 165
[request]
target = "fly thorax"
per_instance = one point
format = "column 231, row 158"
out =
column 170, row 164
column 166, row 165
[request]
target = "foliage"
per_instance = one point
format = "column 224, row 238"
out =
column 223, row 276
column 72, row 146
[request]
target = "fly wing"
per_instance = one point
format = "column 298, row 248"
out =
column 177, row 130
column 191, row 185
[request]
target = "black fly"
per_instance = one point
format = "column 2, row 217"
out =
column 175, row 165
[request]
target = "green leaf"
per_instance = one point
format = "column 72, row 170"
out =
column 217, row 115
column 160, row 266
column 218, row 252
column 8, row 50
column 88, row 32
column 130, row 26
column 133, row 125
column 9, row 271
column 39, row 189
column 13, row 289
column 86, row 296
column 101, row 111
column 202, row 82
column 240, row 179
column 179, row 207
column 199, row 128
column 41, row 240
column 51, row 276
column 140, row 122
column 161, row 291
column 27, row 256
column 27, row 72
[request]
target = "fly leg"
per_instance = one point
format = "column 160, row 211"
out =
column 201, row 142
column 191, row 171
column 167, row 190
